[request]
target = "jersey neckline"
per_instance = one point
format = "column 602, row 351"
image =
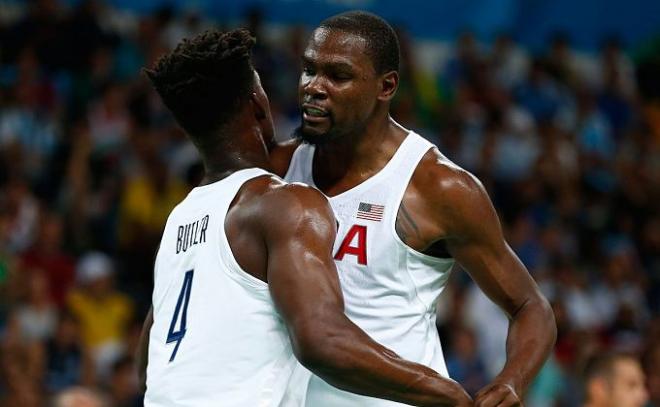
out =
column 207, row 187
column 389, row 167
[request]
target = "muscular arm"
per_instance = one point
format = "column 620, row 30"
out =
column 305, row 288
column 142, row 354
column 474, row 238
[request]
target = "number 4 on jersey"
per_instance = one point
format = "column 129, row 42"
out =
column 184, row 297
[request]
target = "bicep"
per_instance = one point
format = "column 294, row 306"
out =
column 480, row 248
column 302, row 277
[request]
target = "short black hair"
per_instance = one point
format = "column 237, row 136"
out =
column 206, row 80
column 382, row 42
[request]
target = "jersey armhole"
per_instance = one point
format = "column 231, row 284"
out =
column 225, row 252
column 421, row 148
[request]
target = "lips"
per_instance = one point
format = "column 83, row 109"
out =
column 314, row 114
column 315, row 111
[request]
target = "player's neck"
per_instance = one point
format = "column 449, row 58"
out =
column 360, row 156
column 213, row 174
column 360, row 147
column 224, row 163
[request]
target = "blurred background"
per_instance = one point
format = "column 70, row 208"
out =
column 554, row 105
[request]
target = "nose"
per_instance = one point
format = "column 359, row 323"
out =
column 314, row 88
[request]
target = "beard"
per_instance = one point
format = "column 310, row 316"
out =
column 334, row 134
column 315, row 139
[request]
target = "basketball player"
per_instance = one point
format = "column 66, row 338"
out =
column 244, row 276
column 614, row 380
column 405, row 213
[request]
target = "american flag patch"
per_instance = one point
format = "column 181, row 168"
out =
column 370, row 211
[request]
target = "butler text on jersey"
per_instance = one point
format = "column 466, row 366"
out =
column 191, row 234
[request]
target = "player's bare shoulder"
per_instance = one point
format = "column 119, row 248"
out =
column 453, row 192
column 276, row 205
column 268, row 212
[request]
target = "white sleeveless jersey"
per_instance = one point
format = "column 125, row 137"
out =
column 216, row 339
column 390, row 290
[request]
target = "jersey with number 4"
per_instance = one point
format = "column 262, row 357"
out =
column 216, row 339
column 390, row 290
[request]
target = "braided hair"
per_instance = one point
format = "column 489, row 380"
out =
column 205, row 81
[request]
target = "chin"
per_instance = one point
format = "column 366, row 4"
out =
column 312, row 137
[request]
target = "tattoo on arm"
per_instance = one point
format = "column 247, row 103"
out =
column 409, row 233
column 405, row 226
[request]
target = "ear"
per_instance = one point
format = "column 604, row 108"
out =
column 389, row 83
column 258, row 106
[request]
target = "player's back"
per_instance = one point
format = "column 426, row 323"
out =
column 216, row 339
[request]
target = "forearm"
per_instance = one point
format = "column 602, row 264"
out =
column 354, row 362
column 142, row 355
column 531, row 337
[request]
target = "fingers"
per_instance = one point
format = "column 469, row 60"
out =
column 497, row 396
column 511, row 400
column 490, row 398
column 482, row 393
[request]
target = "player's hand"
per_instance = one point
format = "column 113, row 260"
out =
column 498, row 395
column 463, row 399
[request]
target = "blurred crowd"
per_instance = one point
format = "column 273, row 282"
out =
column 91, row 163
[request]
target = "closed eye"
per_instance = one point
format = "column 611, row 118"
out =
column 342, row 76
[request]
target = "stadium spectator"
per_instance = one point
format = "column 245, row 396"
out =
column 67, row 362
column 47, row 254
column 614, row 380
column 567, row 142
column 104, row 313
column 79, row 397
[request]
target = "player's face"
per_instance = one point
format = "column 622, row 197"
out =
column 338, row 87
column 628, row 389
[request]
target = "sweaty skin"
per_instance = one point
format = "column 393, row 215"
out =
column 283, row 234
column 445, row 210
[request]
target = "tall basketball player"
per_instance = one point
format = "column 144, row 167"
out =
column 405, row 213
column 244, row 276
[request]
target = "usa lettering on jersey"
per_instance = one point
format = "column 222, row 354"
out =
column 359, row 249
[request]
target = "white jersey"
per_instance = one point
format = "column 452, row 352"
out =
column 390, row 290
column 216, row 339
